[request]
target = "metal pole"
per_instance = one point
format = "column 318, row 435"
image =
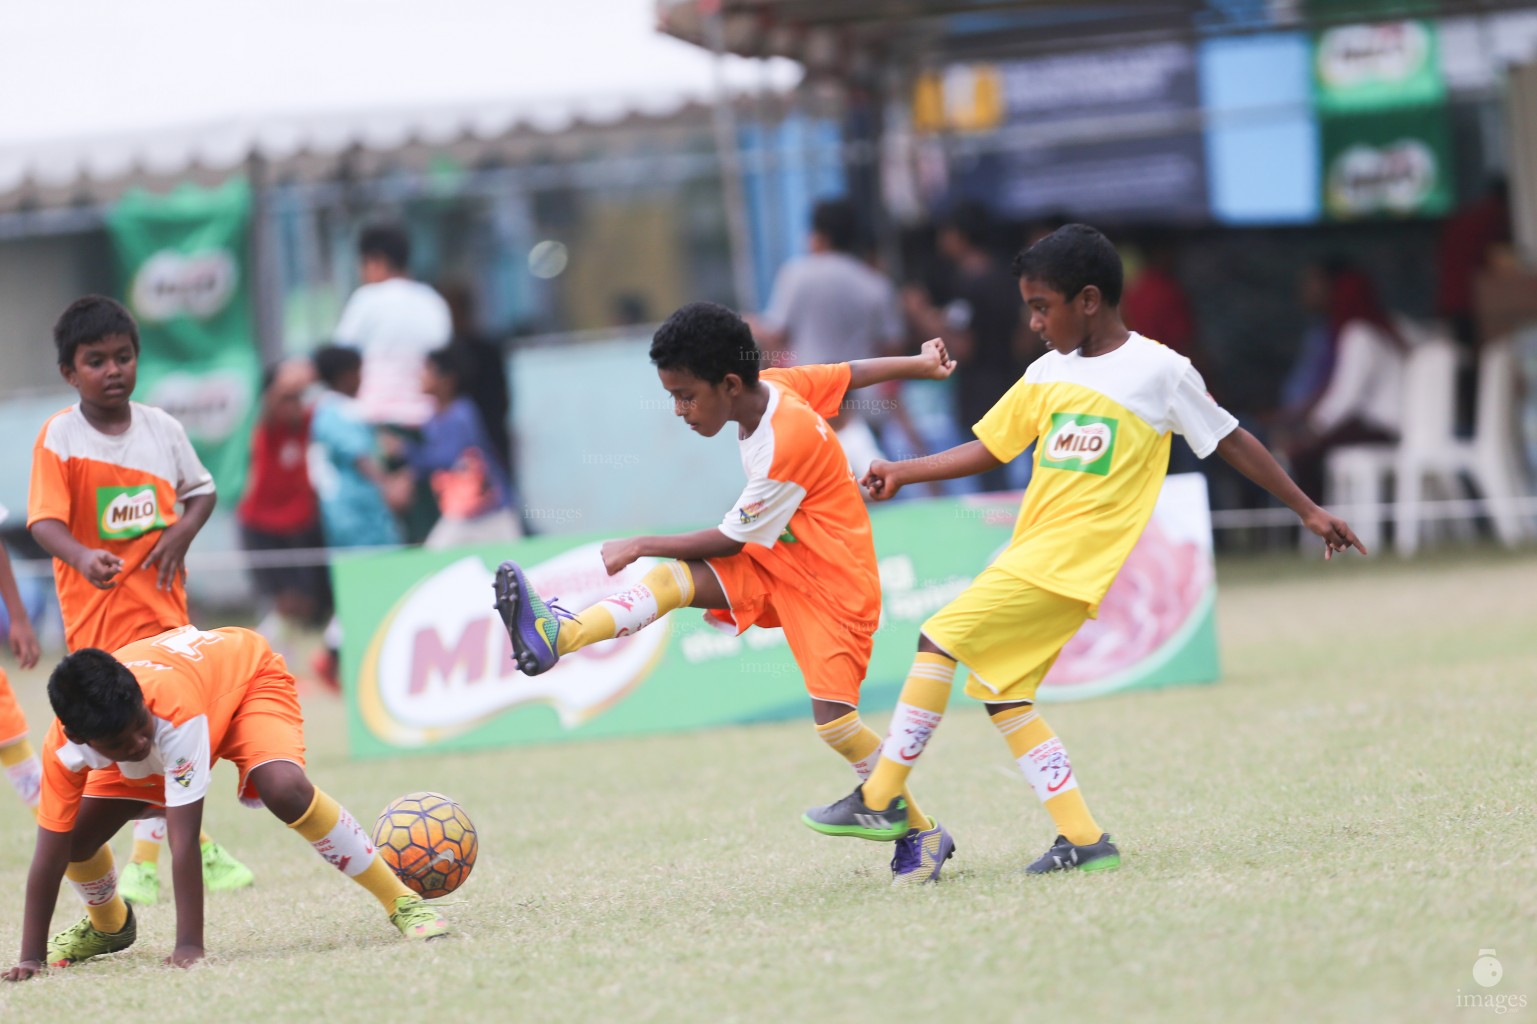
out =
column 262, row 252
column 724, row 118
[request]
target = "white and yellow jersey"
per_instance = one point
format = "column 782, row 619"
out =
column 1103, row 424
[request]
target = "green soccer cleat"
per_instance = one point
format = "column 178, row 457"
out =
column 221, row 872
column 418, row 919
column 81, row 942
column 850, row 817
column 1101, row 855
column 140, row 883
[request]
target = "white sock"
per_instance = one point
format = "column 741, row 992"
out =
column 150, row 830
column 26, row 777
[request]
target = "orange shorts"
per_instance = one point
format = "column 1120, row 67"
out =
column 13, row 724
column 268, row 726
column 832, row 652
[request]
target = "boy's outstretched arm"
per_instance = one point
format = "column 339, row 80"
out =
column 170, row 551
column 49, row 858
column 885, row 479
column 1241, row 450
column 23, row 640
column 183, row 825
column 95, row 564
column 932, row 362
column 700, row 544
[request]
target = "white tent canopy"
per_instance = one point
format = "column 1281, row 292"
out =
column 98, row 90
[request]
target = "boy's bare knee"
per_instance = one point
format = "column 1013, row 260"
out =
column 284, row 789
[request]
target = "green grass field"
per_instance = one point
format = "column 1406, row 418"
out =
column 1333, row 832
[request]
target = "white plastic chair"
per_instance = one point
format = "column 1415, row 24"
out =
column 1357, row 475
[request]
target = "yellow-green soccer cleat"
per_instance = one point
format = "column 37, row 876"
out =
column 221, row 872
column 418, row 919
column 140, row 883
column 81, row 942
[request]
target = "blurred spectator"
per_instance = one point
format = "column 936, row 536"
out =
column 279, row 511
column 981, row 323
column 1468, row 238
column 1348, row 385
column 485, row 373
column 394, row 322
column 455, row 458
column 830, row 307
column 344, row 461
column 1155, row 305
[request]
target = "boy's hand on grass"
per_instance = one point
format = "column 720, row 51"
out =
column 617, row 554
column 99, row 567
column 185, row 956
column 24, row 643
column 169, row 555
column 938, row 364
column 1336, row 532
column 881, row 480
column 23, row 971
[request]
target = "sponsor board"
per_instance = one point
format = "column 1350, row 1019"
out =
column 427, row 665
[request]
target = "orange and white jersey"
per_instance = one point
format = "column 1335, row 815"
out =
column 801, row 515
column 194, row 681
column 115, row 492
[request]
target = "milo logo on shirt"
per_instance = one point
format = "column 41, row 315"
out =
column 123, row 513
column 1079, row 442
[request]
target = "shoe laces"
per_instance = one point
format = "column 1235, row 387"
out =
column 559, row 611
column 907, row 856
column 416, row 911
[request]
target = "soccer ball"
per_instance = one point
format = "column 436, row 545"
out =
column 428, row 841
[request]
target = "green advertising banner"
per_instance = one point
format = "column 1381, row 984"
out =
column 1381, row 66
column 426, row 664
column 1387, row 164
column 182, row 257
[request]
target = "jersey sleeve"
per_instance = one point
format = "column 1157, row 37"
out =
column 48, row 492
column 822, row 385
column 1010, row 426
column 187, row 756
column 350, row 329
column 777, row 315
column 1196, row 415
column 192, row 477
column 763, row 511
column 62, row 787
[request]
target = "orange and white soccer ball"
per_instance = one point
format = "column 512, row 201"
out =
column 429, row 841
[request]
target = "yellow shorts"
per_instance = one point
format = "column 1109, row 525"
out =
column 1007, row 632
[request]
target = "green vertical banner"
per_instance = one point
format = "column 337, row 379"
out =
column 426, row 664
column 1384, row 137
column 182, row 257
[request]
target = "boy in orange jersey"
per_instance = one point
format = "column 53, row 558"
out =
column 106, row 476
column 22, row 767
column 795, row 550
column 143, row 728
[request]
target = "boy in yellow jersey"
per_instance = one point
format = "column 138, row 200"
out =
column 140, row 731
column 795, row 549
column 1103, row 404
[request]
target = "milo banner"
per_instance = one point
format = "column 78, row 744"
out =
column 183, row 263
column 427, row 665
column 1384, row 137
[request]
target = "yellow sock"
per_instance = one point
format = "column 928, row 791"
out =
column 1044, row 761
column 860, row 746
column 667, row 587
column 338, row 838
column 24, row 771
column 918, row 712
column 96, row 882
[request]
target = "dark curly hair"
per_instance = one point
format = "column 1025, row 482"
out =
column 707, row 341
column 1070, row 259
column 94, row 695
column 90, row 319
